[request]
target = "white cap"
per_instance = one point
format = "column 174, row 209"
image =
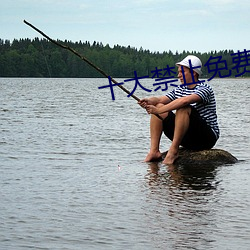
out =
column 195, row 62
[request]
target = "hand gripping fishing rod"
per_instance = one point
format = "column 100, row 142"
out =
column 86, row 60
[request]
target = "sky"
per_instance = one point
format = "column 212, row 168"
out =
column 155, row 25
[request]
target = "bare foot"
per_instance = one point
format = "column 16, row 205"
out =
column 170, row 157
column 153, row 156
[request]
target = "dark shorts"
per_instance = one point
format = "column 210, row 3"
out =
column 199, row 135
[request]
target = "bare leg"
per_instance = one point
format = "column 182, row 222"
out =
column 181, row 127
column 155, row 137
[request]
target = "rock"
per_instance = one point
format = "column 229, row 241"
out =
column 204, row 157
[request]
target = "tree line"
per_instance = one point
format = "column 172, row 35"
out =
column 41, row 58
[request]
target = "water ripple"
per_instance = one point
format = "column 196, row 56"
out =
column 72, row 175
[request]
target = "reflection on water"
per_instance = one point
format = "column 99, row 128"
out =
column 189, row 177
column 184, row 195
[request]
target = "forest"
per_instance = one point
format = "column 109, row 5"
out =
column 41, row 58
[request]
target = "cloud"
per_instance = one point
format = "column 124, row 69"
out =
column 225, row 4
column 84, row 6
column 221, row 2
column 149, row 2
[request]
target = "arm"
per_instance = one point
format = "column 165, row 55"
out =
column 176, row 104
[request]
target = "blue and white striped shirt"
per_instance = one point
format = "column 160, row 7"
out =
column 206, row 108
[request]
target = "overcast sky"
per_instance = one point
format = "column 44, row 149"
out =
column 157, row 25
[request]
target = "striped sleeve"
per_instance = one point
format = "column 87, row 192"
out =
column 172, row 94
column 205, row 93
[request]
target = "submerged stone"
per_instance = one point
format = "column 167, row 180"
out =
column 204, row 157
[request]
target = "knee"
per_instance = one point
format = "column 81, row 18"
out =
column 184, row 110
column 163, row 115
column 159, row 105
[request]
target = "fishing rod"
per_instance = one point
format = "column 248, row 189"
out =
column 86, row 60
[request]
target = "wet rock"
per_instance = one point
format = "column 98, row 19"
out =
column 204, row 157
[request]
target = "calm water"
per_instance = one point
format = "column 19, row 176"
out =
column 72, row 175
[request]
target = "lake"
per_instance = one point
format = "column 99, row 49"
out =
column 72, row 173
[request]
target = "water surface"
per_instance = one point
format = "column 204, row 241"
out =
column 72, row 175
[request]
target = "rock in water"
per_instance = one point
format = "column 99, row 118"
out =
column 204, row 157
